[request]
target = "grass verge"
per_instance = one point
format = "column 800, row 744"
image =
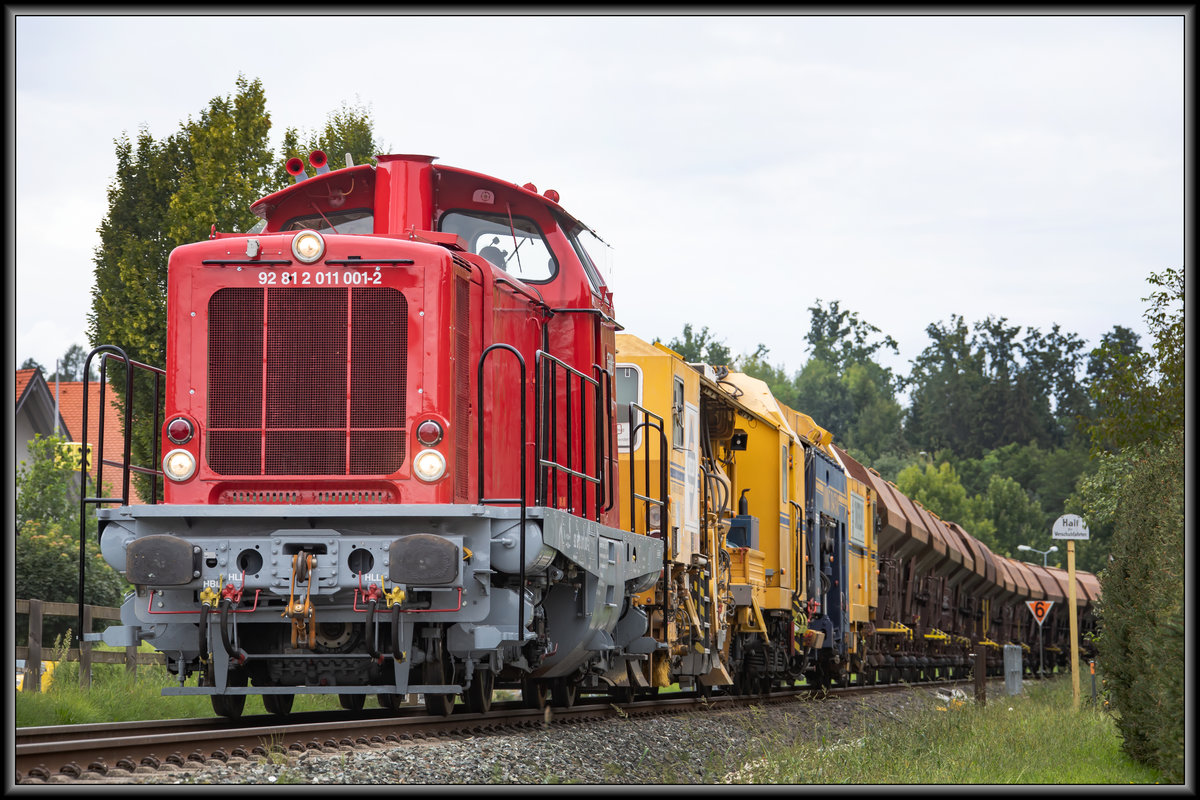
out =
column 1032, row 738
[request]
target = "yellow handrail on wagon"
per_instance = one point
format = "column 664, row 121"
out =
column 938, row 635
column 897, row 628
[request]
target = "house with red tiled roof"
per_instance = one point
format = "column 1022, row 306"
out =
column 36, row 413
column 71, row 406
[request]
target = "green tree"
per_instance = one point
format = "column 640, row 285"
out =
column 700, row 347
column 229, row 166
column 1139, row 394
column 946, row 382
column 171, row 192
column 349, row 131
column 1015, row 516
column 71, row 365
column 1141, row 646
column 939, row 490
column 781, row 385
column 877, row 424
column 47, row 485
column 978, row 388
column 1138, row 438
column 46, row 551
column 844, row 388
column 841, row 338
column 821, row 393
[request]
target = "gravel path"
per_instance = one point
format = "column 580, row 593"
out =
column 688, row 748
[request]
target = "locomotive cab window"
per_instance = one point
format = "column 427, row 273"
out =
column 359, row 220
column 628, row 380
column 593, row 252
column 858, row 520
column 518, row 248
column 677, row 415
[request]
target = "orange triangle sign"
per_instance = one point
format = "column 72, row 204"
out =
column 1039, row 609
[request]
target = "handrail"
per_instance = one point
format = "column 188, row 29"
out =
column 521, row 291
column 483, row 498
column 107, row 351
column 658, row 425
column 662, row 501
column 602, row 439
column 547, row 456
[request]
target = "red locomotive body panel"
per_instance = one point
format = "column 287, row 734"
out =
column 307, row 382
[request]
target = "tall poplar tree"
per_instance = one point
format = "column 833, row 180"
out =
column 166, row 193
column 348, row 131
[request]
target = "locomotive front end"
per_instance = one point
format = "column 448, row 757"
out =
column 324, row 528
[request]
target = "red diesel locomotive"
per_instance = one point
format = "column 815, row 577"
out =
column 390, row 455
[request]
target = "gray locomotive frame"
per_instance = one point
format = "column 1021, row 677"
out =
column 581, row 572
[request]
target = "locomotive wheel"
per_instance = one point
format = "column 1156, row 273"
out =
column 353, row 702
column 438, row 671
column 479, row 693
column 621, row 694
column 230, row 705
column 564, row 692
column 278, row 703
column 389, row 701
column 534, row 693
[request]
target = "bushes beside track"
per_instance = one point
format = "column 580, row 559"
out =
column 1141, row 648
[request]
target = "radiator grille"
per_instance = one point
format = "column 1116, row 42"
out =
column 307, row 381
column 306, row 497
column 462, row 381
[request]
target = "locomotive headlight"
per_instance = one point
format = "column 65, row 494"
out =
column 655, row 517
column 308, row 246
column 179, row 465
column 429, row 465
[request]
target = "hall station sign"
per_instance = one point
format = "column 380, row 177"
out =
column 1070, row 526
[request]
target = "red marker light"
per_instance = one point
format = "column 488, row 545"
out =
column 429, row 433
column 551, row 195
column 179, row 431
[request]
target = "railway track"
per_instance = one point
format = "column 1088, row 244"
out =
column 66, row 753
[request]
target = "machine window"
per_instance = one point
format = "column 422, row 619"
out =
column 519, row 249
column 629, row 390
column 359, row 220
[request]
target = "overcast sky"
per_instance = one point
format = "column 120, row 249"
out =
column 742, row 167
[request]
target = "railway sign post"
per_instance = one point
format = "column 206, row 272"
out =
column 1072, row 527
column 1039, row 609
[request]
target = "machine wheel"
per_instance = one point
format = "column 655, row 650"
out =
column 564, row 692
column 389, row 701
column 352, row 702
column 621, row 694
column 534, row 693
column 479, row 693
column 230, row 705
column 438, row 671
column 278, row 703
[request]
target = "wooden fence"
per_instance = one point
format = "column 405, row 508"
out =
column 34, row 654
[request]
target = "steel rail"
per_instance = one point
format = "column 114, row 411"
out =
column 77, row 750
